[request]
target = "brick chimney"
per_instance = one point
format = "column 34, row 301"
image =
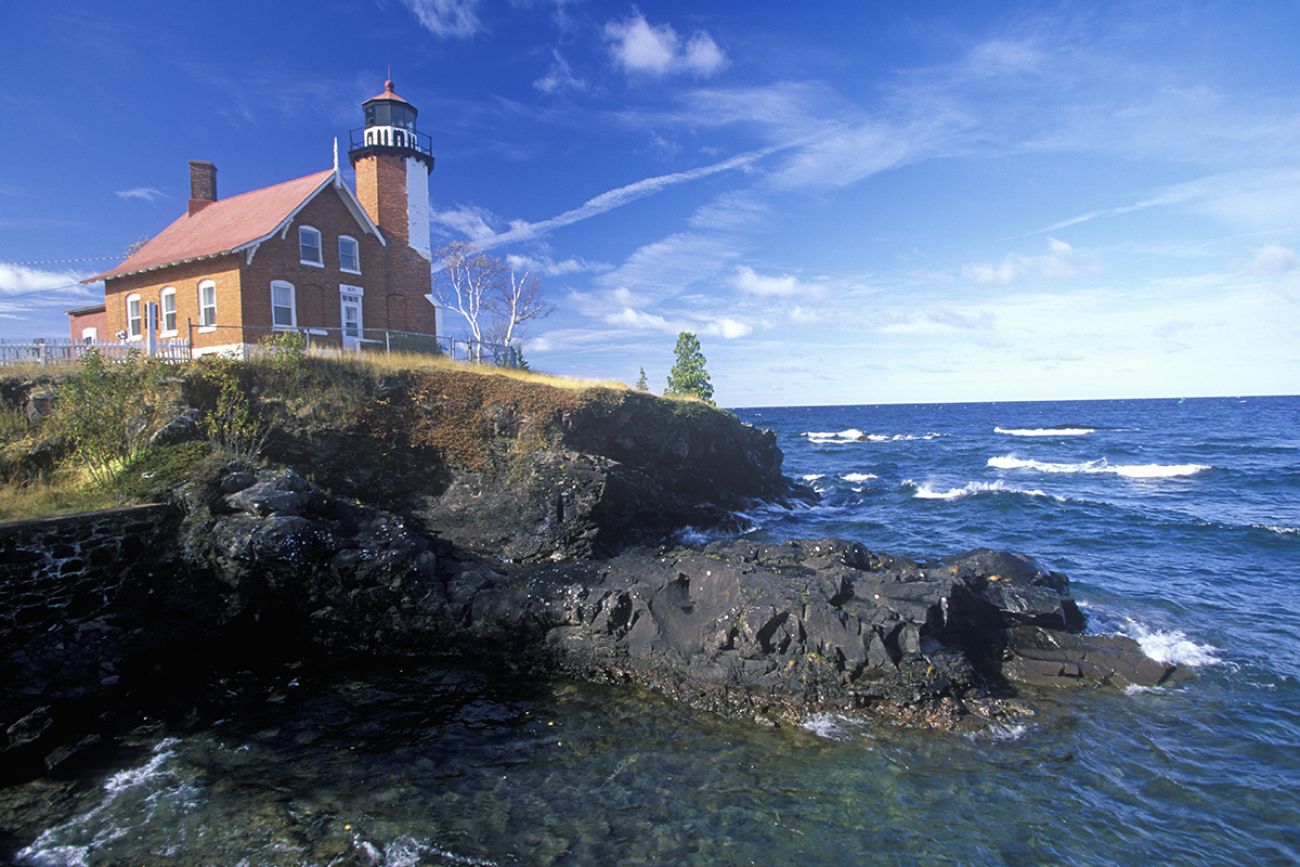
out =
column 203, row 185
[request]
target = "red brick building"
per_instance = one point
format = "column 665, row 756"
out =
column 307, row 254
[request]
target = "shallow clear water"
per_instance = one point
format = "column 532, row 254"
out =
column 1187, row 536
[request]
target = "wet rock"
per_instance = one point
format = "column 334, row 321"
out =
column 69, row 758
column 30, row 728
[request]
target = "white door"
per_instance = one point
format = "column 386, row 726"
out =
column 351, row 315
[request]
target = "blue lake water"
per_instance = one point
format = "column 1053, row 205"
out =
column 1178, row 523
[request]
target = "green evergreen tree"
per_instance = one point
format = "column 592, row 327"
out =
column 689, row 375
column 641, row 383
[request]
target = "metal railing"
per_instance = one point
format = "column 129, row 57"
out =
column 64, row 350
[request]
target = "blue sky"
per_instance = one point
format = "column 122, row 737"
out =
column 852, row 203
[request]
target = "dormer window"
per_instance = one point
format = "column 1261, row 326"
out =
column 309, row 249
column 349, row 254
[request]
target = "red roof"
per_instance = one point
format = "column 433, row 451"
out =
column 388, row 93
column 221, row 227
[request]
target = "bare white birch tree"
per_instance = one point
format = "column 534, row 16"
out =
column 493, row 300
column 468, row 283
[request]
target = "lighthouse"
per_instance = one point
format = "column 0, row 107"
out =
column 393, row 160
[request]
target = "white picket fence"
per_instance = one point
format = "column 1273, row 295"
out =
column 65, row 350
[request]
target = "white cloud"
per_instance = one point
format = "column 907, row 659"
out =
column 1274, row 259
column 1060, row 262
column 667, row 267
column 804, row 316
column 559, row 78
column 147, row 194
column 727, row 328
column 472, row 222
column 749, row 281
column 20, row 279
column 551, row 268
column 640, row 47
column 447, row 19
column 630, row 318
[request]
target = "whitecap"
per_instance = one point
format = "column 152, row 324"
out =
column 832, row 726
column 1172, row 646
column 926, row 491
column 812, row 477
column 859, row 477
column 1045, row 431
column 1276, row 528
column 1099, row 466
column 853, row 435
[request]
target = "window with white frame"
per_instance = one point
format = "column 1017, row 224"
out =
column 134, row 320
column 208, row 304
column 349, row 254
column 167, row 307
column 284, row 314
column 309, row 249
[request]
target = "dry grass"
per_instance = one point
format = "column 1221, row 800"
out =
column 410, row 361
column 60, row 494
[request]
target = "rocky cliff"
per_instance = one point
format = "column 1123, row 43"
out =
column 470, row 515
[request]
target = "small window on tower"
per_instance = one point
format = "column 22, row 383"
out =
column 349, row 254
column 309, row 252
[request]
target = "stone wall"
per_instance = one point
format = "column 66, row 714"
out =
column 60, row 582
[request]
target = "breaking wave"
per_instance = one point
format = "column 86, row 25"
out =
column 1100, row 466
column 926, row 491
column 859, row 477
column 1172, row 646
column 1045, row 431
column 1275, row 528
column 853, row 435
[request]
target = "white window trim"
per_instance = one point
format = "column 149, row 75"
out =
column 163, row 330
column 89, row 333
column 139, row 317
column 208, row 328
column 293, row 306
column 357, row 245
column 320, row 247
column 354, row 290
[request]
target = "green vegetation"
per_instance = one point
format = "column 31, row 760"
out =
column 108, row 411
column 641, row 383
column 689, row 375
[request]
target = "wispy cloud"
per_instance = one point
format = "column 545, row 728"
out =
column 18, row 279
column 616, row 198
column 559, row 79
column 541, row 264
column 146, row 194
column 637, row 320
column 638, row 46
column 472, row 222
column 1060, row 261
column 447, row 19
column 1274, row 259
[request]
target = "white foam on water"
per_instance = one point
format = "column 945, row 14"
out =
column 999, row 732
column 1139, row 689
column 1172, row 646
column 926, row 491
column 1045, row 431
column 47, row 850
column 853, row 435
column 812, row 477
column 1099, row 466
column 1276, row 528
column 832, row 726
column 859, row 477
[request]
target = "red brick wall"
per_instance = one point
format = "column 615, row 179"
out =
column 381, row 189
column 97, row 321
column 223, row 271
